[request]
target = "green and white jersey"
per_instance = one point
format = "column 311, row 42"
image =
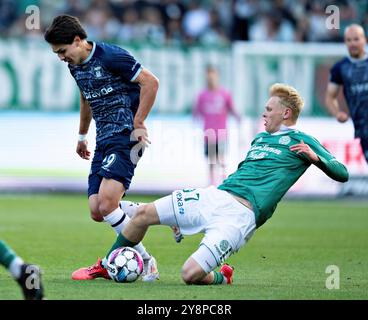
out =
column 270, row 169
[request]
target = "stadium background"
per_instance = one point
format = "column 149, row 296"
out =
column 251, row 47
column 253, row 44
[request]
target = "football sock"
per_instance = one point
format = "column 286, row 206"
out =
column 15, row 267
column 218, row 278
column 129, row 207
column 10, row 260
column 121, row 241
column 118, row 219
column 142, row 250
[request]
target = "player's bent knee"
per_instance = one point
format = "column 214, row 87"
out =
column 145, row 216
column 190, row 277
column 95, row 216
column 106, row 206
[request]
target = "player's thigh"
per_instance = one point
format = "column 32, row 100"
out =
column 202, row 261
column 183, row 209
column 165, row 211
column 224, row 237
column 117, row 163
column 94, row 179
column 147, row 215
column 111, row 190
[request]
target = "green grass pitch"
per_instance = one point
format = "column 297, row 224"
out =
column 286, row 258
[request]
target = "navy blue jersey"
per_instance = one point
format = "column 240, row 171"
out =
column 105, row 80
column 352, row 74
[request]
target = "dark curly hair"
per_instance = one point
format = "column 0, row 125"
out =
column 63, row 30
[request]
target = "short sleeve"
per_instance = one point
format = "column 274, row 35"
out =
column 335, row 74
column 121, row 62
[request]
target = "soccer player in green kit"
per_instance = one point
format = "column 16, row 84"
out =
column 229, row 214
column 27, row 275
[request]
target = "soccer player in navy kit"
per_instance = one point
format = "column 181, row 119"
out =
column 118, row 93
column 351, row 73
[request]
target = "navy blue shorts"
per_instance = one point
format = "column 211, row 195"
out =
column 112, row 160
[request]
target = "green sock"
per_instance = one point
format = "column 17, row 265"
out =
column 218, row 278
column 121, row 241
column 7, row 255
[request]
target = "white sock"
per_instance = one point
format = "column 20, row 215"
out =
column 15, row 267
column 129, row 207
column 118, row 220
column 142, row 250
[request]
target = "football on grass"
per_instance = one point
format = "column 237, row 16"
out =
column 124, row 264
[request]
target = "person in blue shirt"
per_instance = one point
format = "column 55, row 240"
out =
column 118, row 93
column 351, row 74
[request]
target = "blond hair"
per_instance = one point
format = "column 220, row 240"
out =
column 289, row 98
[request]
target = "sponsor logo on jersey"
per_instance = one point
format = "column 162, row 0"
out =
column 224, row 245
column 97, row 72
column 223, row 254
column 179, row 202
column 284, row 140
column 265, row 148
column 359, row 88
column 98, row 93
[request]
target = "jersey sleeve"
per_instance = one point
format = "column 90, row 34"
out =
column 335, row 74
column 121, row 62
column 328, row 163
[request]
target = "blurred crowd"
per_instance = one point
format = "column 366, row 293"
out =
column 190, row 22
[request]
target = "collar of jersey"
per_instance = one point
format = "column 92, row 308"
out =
column 283, row 129
column 358, row 59
column 91, row 53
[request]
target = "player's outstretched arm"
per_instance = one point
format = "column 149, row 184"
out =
column 323, row 160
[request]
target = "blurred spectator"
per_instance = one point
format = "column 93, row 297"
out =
column 244, row 11
column 8, row 14
column 174, row 35
column 75, row 7
column 129, row 29
column 195, row 21
column 317, row 23
column 152, row 26
column 214, row 34
column 272, row 27
column 186, row 22
column 98, row 22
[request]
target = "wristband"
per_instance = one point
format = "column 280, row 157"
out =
column 82, row 137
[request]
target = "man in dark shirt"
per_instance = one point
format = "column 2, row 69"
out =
column 351, row 73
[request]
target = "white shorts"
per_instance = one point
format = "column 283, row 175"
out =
column 226, row 223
